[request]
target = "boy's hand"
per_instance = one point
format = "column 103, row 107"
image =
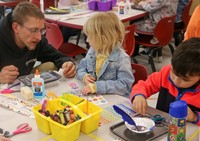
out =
column 86, row 90
column 140, row 105
column 191, row 115
column 89, row 79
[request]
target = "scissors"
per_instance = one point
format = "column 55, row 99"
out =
column 158, row 119
column 8, row 90
column 22, row 128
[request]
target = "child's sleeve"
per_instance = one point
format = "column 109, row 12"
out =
column 122, row 81
column 81, row 71
column 151, row 86
column 197, row 122
column 152, row 6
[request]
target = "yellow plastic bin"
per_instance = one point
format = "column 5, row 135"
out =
column 92, row 111
column 72, row 98
column 91, row 122
column 59, row 132
column 41, row 120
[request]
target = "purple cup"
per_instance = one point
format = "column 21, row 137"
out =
column 113, row 3
column 104, row 6
column 92, row 5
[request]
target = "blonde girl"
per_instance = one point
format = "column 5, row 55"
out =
column 106, row 68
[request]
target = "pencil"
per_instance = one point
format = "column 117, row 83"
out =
column 56, row 9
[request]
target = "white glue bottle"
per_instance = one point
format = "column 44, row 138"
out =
column 127, row 7
column 37, row 85
column 121, row 7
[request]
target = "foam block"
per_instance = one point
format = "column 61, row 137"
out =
column 26, row 92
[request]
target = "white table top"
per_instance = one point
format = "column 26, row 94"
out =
column 77, row 19
column 9, row 120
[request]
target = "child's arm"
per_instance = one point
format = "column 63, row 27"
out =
column 193, row 117
column 119, row 80
column 82, row 69
column 150, row 6
column 140, row 104
column 150, row 86
column 144, row 89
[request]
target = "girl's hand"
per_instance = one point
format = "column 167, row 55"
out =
column 140, row 104
column 192, row 116
column 89, row 79
column 86, row 90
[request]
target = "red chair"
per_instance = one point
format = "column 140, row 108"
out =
column 163, row 32
column 129, row 41
column 55, row 38
column 179, row 32
column 139, row 72
column 47, row 3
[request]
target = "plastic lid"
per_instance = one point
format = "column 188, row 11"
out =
column 178, row 109
column 37, row 73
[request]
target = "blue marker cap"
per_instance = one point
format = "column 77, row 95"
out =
column 178, row 109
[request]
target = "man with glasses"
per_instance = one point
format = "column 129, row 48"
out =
column 22, row 43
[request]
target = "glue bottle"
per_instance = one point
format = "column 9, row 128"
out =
column 127, row 7
column 37, row 85
column 177, row 121
column 121, row 7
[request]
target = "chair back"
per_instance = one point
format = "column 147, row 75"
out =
column 54, row 35
column 185, row 14
column 47, row 3
column 129, row 40
column 139, row 72
column 164, row 30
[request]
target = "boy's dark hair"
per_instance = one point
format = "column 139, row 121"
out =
column 186, row 58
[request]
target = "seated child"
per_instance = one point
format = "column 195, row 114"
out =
column 106, row 68
column 178, row 81
column 157, row 9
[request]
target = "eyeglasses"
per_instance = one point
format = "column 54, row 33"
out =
column 42, row 31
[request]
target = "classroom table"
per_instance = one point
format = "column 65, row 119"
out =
column 77, row 19
column 10, row 119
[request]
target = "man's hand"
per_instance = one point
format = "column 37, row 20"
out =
column 4, row 138
column 8, row 74
column 69, row 69
column 140, row 104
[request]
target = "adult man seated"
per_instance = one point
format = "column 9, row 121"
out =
column 22, row 43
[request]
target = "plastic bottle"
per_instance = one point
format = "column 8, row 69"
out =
column 42, row 5
column 127, row 7
column 177, row 121
column 121, row 7
column 37, row 86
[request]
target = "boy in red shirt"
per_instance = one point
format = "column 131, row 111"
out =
column 178, row 81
